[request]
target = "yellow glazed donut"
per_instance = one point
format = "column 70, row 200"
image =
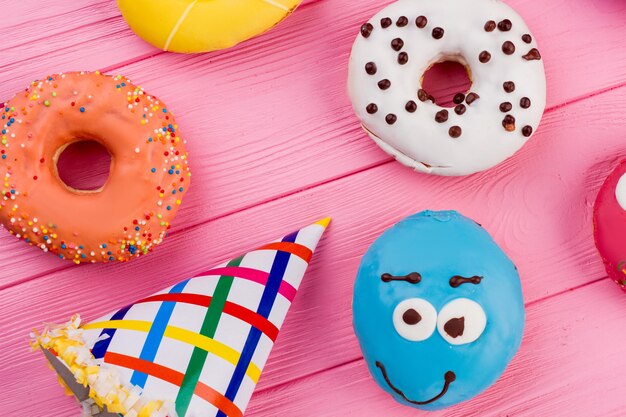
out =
column 202, row 25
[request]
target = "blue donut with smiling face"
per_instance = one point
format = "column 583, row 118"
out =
column 438, row 310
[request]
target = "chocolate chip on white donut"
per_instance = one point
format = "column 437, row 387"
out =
column 487, row 124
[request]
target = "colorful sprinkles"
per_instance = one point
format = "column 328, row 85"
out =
column 161, row 144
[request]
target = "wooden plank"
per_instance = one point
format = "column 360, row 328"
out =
column 309, row 136
column 563, row 157
column 37, row 21
column 539, row 212
column 82, row 35
column 275, row 145
column 571, row 363
column 92, row 35
column 28, row 19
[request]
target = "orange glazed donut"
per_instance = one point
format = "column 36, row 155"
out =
column 131, row 212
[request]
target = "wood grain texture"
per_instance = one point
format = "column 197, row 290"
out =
column 545, row 228
column 91, row 34
column 540, row 165
column 568, row 365
column 311, row 135
column 274, row 145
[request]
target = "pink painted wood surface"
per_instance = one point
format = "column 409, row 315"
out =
column 274, row 144
column 562, row 369
column 313, row 125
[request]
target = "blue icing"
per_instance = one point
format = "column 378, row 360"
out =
column 438, row 246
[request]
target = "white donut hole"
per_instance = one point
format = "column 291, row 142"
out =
column 415, row 319
column 446, row 77
column 620, row 192
column 461, row 321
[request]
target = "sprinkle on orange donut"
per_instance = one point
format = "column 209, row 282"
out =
column 148, row 177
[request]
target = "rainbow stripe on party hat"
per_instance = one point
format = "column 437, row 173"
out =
column 195, row 349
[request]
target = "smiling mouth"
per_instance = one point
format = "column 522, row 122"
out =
column 448, row 377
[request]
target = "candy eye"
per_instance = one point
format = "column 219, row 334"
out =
column 461, row 321
column 415, row 319
column 620, row 192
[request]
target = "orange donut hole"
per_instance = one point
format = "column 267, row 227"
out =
column 84, row 165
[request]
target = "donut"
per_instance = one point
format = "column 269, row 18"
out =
column 191, row 26
column 126, row 217
column 609, row 221
column 437, row 309
column 488, row 123
column 196, row 349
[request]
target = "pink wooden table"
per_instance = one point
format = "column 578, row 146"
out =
column 274, row 144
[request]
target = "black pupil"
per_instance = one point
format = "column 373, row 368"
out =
column 411, row 317
column 455, row 326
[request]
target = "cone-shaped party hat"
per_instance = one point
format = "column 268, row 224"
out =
column 195, row 349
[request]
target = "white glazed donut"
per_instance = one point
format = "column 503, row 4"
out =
column 490, row 123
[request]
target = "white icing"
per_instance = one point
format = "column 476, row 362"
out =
column 421, row 330
column 473, row 315
column 416, row 139
column 620, row 192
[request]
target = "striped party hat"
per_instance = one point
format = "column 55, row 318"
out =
column 195, row 349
